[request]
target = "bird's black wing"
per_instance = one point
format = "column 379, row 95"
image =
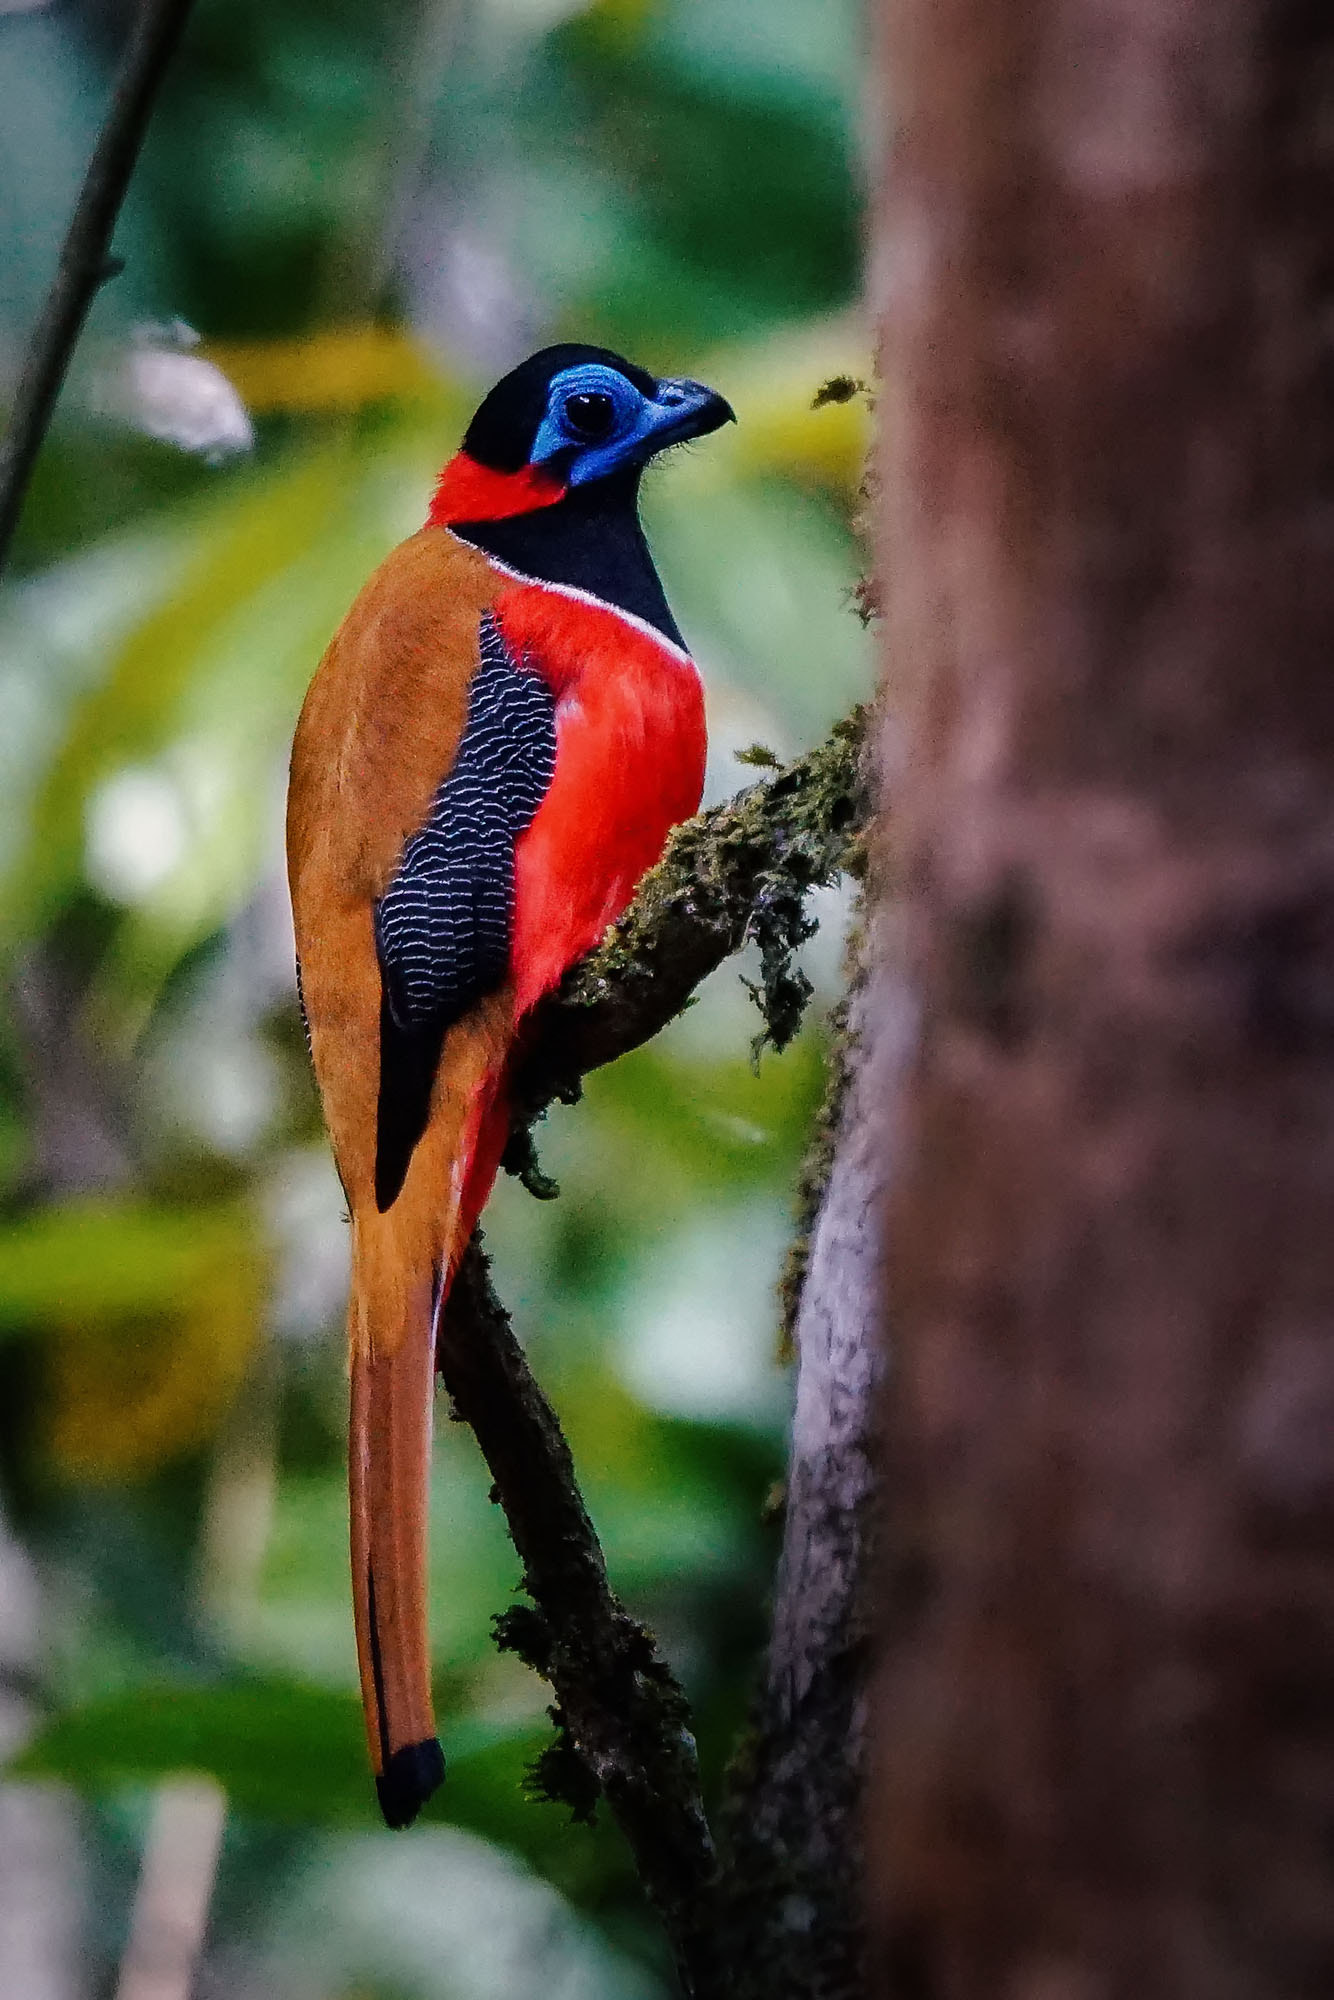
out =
column 442, row 927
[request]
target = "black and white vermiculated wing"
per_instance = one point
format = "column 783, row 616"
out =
column 442, row 927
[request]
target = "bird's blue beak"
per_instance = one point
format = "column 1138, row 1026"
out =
column 683, row 409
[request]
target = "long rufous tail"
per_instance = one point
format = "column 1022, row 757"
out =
column 402, row 1261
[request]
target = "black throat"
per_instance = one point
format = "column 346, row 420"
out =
column 590, row 540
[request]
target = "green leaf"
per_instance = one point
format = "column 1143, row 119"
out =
column 105, row 1260
column 283, row 1752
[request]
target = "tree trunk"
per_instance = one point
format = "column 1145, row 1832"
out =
column 1105, row 1765
column 792, row 1899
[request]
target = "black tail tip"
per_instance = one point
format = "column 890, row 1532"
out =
column 408, row 1780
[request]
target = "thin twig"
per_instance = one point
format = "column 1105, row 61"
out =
column 741, row 870
column 84, row 264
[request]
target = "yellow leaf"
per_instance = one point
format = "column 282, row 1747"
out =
column 341, row 369
column 151, row 1315
column 773, row 384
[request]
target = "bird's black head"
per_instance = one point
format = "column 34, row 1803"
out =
column 583, row 413
column 548, row 476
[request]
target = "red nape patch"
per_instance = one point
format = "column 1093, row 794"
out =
column 468, row 491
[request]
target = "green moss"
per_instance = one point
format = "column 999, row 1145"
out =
column 739, row 873
column 744, row 870
column 838, row 389
column 559, row 1776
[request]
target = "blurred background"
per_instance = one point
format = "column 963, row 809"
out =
column 349, row 220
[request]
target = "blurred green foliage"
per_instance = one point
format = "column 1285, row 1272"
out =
column 368, row 212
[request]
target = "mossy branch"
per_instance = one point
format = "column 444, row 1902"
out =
column 736, row 874
column 739, row 872
column 623, row 1721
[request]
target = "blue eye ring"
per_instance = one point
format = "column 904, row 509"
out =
column 597, row 418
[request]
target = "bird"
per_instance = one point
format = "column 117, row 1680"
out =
column 498, row 740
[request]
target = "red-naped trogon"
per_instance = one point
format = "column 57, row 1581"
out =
column 495, row 746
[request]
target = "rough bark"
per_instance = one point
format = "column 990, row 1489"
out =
column 1106, row 1721
column 793, row 1847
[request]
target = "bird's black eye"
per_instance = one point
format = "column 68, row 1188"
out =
column 590, row 415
